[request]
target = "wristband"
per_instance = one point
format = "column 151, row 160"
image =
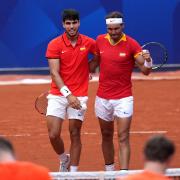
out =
column 65, row 91
column 148, row 64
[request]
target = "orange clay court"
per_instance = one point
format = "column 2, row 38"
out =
column 157, row 111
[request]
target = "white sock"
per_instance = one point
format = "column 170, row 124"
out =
column 73, row 168
column 63, row 157
column 109, row 167
column 124, row 171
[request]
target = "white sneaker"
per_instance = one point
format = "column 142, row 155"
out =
column 123, row 171
column 64, row 165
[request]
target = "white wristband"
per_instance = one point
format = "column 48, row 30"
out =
column 148, row 64
column 65, row 91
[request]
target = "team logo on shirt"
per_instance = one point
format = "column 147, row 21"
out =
column 82, row 48
column 122, row 54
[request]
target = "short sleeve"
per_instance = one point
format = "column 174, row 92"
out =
column 53, row 49
column 136, row 48
column 92, row 47
column 97, row 46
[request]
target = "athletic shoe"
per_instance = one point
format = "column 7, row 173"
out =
column 124, row 171
column 65, row 165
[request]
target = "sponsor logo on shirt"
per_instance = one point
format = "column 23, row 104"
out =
column 101, row 52
column 82, row 48
column 122, row 54
column 63, row 52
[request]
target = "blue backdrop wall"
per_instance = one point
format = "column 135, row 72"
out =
column 26, row 26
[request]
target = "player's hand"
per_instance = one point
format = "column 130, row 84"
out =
column 73, row 102
column 146, row 55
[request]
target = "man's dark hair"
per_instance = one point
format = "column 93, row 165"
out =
column 159, row 149
column 5, row 145
column 114, row 14
column 70, row 14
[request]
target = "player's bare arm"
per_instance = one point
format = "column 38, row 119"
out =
column 144, row 62
column 93, row 63
column 54, row 71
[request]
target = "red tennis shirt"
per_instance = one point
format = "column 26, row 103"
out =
column 116, row 66
column 73, row 62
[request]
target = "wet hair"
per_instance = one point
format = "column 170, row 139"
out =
column 114, row 14
column 70, row 14
column 5, row 145
column 159, row 149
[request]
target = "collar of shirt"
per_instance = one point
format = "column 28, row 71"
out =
column 123, row 38
column 68, row 42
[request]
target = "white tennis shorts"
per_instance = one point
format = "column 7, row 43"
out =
column 107, row 109
column 58, row 106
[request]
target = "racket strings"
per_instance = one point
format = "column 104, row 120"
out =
column 157, row 52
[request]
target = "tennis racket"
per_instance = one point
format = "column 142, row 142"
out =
column 41, row 103
column 158, row 53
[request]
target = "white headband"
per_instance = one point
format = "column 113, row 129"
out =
column 114, row 21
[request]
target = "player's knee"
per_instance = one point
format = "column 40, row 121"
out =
column 123, row 138
column 75, row 133
column 107, row 135
column 53, row 135
column 75, row 137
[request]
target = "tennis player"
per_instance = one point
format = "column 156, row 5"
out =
column 68, row 62
column 158, row 153
column 117, row 55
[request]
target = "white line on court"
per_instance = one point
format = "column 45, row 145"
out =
column 148, row 132
column 15, row 135
column 132, row 132
column 135, row 77
column 25, row 81
column 83, row 133
column 95, row 78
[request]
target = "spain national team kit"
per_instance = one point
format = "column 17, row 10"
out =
column 117, row 63
column 73, row 62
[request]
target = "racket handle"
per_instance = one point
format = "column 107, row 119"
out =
column 148, row 64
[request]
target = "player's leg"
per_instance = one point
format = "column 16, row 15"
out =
column 107, row 132
column 75, row 148
column 76, row 118
column 54, row 125
column 104, row 112
column 123, row 110
column 123, row 127
column 55, row 116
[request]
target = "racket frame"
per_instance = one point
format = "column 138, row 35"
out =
column 157, row 66
column 36, row 102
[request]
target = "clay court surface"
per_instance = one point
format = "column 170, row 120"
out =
column 157, row 111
